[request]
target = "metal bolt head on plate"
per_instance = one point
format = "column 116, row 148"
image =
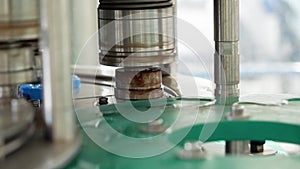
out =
column 237, row 112
column 192, row 150
column 155, row 126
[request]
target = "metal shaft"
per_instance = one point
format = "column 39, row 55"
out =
column 134, row 33
column 226, row 29
column 56, row 46
column 237, row 147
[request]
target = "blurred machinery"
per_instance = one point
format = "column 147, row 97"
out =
column 21, row 24
column 131, row 113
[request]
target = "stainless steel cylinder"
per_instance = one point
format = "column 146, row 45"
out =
column 14, row 78
column 15, row 124
column 19, row 33
column 140, row 33
column 16, row 57
column 237, row 147
column 226, row 23
column 57, row 88
column 19, row 20
column 16, row 67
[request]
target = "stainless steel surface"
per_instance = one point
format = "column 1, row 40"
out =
column 19, row 32
column 137, row 37
column 85, row 49
column 237, row 110
column 15, row 124
column 14, row 78
column 226, row 23
column 192, row 150
column 19, row 20
column 237, row 113
column 41, row 154
column 38, row 66
column 16, row 114
column 16, row 58
column 8, row 91
column 56, row 46
column 18, row 10
column 237, row 147
column 16, row 31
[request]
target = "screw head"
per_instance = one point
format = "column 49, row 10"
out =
column 103, row 100
column 237, row 110
column 192, row 150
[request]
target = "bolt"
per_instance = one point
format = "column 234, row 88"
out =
column 155, row 126
column 193, row 146
column 257, row 146
column 157, row 122
column 237, row 147
column 237, row 112
column 192, row 150
column 103, row 101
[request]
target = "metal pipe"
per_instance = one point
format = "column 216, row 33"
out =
column 237, row 147
column 226, row 32
column 56, row 50
column 136, row 33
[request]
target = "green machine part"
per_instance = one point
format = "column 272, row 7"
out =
column 111, row 140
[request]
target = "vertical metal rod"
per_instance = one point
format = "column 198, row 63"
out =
column 237, row 147
column 226, row 33
column 56, row 49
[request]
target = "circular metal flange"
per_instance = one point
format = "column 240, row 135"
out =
column 19, row 31
column 137, row 37
column 134, row 4
column 19, row 20
column 16, row 115
column 136, row 59
column 16, row 141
